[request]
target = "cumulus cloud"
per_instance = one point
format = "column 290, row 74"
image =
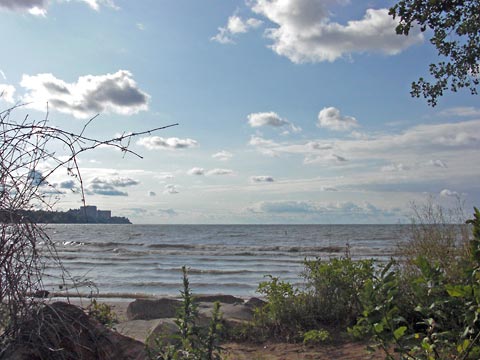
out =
column 115, row 181
column 330, row 118
column 171, row 189
column 39, row 7
column 35, row 7
column 95, row 4
column 36, row 178
column 196, row 171
column 173, row 143
column 104, row 189
column 7, row 93
column 266, row 118
column 108, row 185
column 235, row 25
column 67, row 184
column 448, row 193
column 114, row 93
column 262, row 179
column 304, row 31
column 220, row 172
column 341, row 209
column 222, row 155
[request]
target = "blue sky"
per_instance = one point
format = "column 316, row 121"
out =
column 289, row 111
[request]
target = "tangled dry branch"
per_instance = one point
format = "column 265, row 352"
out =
column 25, row 248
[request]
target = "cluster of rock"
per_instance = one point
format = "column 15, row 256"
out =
column 64, row 331
column 149, row 319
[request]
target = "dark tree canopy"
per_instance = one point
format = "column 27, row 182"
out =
column 456, row 35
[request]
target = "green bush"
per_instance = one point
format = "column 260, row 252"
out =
column 102, row 313
column 330, row 297
column 442, row 320
column 316, row 337
column 334, row 287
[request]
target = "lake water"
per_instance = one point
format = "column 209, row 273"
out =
column 232, row 259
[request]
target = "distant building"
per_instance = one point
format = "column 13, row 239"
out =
column 90, row 212
column 104, row 215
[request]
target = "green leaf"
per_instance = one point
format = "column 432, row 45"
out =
column 378, row 327
column 398, row 333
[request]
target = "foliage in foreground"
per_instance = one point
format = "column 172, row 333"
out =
column 439, row 316
column 329, row 300
column 423, row 305
column 193, row 342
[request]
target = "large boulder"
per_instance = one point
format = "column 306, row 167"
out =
column 147, row 309
column 229, row 311
column 64, row 331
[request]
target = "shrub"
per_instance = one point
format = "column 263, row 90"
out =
column 443, row 319
column 102, row 313
column 330, row 297
column 316, row 337
column 194, row 342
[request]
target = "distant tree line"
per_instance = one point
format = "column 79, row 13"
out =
column 59, row 217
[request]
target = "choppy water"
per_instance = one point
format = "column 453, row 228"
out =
column 232, row 259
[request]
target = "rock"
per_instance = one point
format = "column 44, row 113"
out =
column 146, row 309
column 165, row 333
column 255, row 303
column 226, row 299
column 138, row 329
column 237, row 312
column 64, row 331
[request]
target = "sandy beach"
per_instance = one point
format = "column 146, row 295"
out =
column 140, row 329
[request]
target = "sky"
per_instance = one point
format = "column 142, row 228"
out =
column 288, row 111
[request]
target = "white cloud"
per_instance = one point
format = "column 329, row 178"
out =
column 235, row 25
column 114, row 93
column 266, row 119
column 7, row 93
column 327, row 158
column 108, row 185
column 259, row 141
column 115, row 181
column 342, row 210
column 220, row 172
column 222, row 155
column 23, row 5
column 438, row 163
column 262, row 179
column 2, row 74
column 39, row 7
column 448, row 193
column 196, row 171
column 395, row 167
column 95, row 4
column 140, row 26
column 171, row 189
column 461, row 111
column 330, row 118
column 164, row 176
column 304, row 31
column 104, row 189
column 157, row 142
